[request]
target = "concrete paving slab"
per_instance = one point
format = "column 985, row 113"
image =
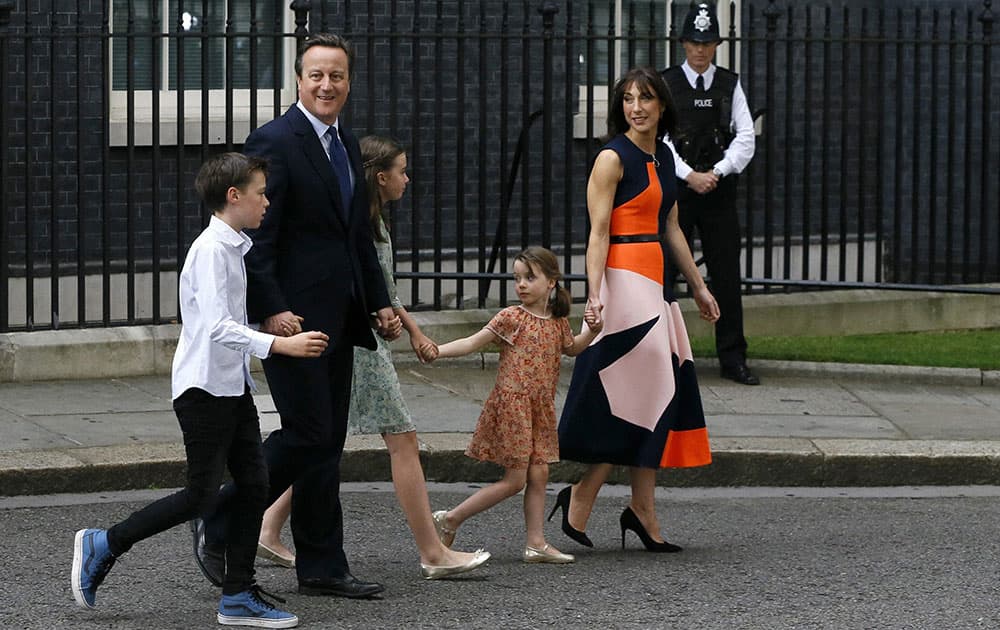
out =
column 988, row 396
column 789, row 397
column 920, row 419
column 437, row 408
column 801, row 426
column 23, row 434
column 103, row 429
column 870, row 373
column 49, row 398
column 908, row 392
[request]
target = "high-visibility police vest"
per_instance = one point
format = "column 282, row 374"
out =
column 704, row 119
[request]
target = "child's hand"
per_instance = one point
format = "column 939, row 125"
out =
column 593, row 318
column 305, row 344
column 428, row 352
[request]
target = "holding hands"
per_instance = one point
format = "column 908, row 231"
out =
column 702, row 183
column 592, row 315
column 283, row 324
column 388, row 325
column 426, row 351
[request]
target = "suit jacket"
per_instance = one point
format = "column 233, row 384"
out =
column 305, row 257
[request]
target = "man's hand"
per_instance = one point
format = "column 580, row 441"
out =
column 283, row 324
column 702, row 183
column 389, row 326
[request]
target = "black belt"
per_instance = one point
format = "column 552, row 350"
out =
column 618, row 239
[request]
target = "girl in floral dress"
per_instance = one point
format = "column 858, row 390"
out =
column 517, row 428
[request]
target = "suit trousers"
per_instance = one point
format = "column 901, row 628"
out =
column 218, row 431
column 312, row 397
column 714, row 217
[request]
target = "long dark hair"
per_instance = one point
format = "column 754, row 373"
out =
column 649, row 82
column 546, row 263
column 378, row 154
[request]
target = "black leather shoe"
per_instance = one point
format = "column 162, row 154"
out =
column 347, row 586
column 740, row 373
column 211, row 558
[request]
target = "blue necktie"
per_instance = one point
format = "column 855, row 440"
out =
column 341, row 168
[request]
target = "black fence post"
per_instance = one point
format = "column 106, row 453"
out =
column 6, row 6
column 301, row 9
column 548, row 11
column 987, row 176
column 771, row 13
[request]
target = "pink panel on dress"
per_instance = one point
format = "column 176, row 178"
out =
column 640, row 384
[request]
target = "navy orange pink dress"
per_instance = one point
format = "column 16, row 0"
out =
column 518, row 424
column 634, row 398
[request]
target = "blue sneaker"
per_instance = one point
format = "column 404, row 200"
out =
column 249, row 608
column 92, row 560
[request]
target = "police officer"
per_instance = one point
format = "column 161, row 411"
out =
column 713, row 143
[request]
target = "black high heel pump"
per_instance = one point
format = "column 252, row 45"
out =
column 629, row 520
column 562, row 501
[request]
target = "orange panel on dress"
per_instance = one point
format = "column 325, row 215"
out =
column 643, row 258
column 686, row 448
column 633, row 217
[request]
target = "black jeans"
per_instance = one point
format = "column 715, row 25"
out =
column 218, row 432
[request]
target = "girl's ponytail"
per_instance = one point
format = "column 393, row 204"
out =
column 559, row 301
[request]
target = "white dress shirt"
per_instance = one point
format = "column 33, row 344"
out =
column 213, row 352
column 741, row 149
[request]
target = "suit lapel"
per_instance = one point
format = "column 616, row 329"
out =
column 320, row 161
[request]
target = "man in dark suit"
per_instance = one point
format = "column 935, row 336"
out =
column 313, row 264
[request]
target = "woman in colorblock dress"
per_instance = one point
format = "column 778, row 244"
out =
column 633, row 399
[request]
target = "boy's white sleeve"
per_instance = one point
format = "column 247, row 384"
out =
column 211, row 294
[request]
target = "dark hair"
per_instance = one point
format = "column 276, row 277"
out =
column 545, row 262
column 330, row 40
column 378, row 154
column 649, row 81
column 224, row 171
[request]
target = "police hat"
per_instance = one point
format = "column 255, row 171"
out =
column 701, row 24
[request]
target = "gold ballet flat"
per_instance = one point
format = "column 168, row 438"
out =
column 546, row 555
column 432, row 572
column 282, row 560
column 445, row 533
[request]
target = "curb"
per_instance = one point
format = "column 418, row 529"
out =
column 780, row 462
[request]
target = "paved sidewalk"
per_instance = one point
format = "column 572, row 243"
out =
column 808, row 425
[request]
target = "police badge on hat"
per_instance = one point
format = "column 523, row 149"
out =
column 701, row 24
column 702, row 21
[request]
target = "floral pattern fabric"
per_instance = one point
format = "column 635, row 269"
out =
column 377, row 404
column 518, row 423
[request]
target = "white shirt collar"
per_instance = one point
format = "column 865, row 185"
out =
column 318, row 125
column 229, row 236
column 692, row 76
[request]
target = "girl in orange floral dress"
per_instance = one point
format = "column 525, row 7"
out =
column 517, row 428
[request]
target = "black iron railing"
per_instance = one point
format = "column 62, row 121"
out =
column 875, row 162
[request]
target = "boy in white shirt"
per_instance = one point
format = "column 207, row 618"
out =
column 211, row 387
